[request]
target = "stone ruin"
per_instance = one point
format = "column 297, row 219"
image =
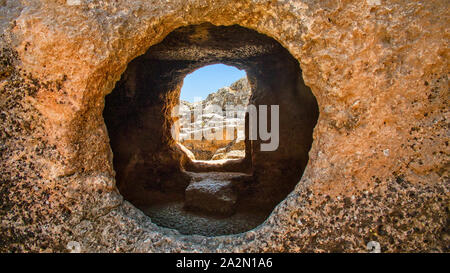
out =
column 228, row 130
column 363, row 94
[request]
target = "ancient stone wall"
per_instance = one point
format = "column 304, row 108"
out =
column 378, row 165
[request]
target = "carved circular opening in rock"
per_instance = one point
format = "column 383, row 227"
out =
column 216, row 197
column 211, row 113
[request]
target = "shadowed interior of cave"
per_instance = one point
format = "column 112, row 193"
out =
column 218, row 197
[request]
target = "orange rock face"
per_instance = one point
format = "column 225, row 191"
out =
column 377, row 169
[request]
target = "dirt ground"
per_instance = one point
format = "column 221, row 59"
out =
column 173, row 215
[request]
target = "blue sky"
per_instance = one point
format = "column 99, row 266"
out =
column 208, row 79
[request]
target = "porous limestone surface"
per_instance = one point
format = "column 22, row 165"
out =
column 378, row 166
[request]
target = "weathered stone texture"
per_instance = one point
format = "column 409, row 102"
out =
column 211, row 195
column 378, row 166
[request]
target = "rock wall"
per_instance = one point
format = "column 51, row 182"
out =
column 378, row 165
